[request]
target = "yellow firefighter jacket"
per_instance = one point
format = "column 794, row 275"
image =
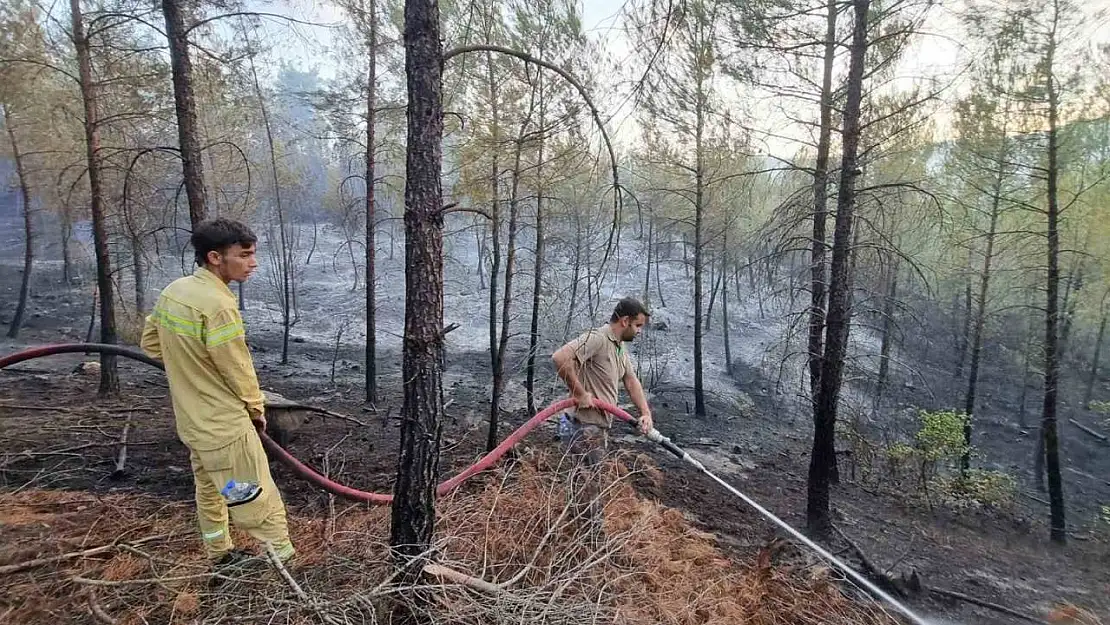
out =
column 195, row 329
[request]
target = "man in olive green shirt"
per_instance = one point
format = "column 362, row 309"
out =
column 592, row 365
column 195, row 329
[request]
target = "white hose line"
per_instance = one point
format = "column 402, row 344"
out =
column 654, row 435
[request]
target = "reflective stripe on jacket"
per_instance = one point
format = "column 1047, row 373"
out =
column 195, row 329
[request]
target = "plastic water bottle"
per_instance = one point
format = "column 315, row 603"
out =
column 565, row 427
column 237, row 493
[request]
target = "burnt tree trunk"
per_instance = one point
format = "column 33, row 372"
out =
column 646, row 295
column 724, row 306
column 1087, row 394
column 537, row 270
column 496, row 366
column 412, row 518
column 28, row 231
column 1052, row 363
column 139, row 275
column 480, row 239
column 699, row 242
column 888, row 330
column 658, row 282
column 507, row 298
column 685, row 255
column 109, row 376
column 1068, row 306
column 186, row 108
column 577, row 273
column 820, row 207
column 965, row 329
column 823, row 456
column 981, row 310
column 66, row 235
column 371, row 357
column 1026, row 370
column 286, row 265
column 716, row 281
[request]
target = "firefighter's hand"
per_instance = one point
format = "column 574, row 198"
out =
column 259, row 421
column 585, row 400
column 646, row 423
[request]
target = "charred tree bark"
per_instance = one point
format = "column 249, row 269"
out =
column 965, row 332
column 537, row 271
column 507, row 299
column 495, row 233
column 577, row 273
column 888, row 330
column 658, row 282
column 699, row 242
column 724, row 306
column 28, row 231
column 981, row 310
column 1094, row 364
column 186, row 108
column 715, row 279
column 1068, row 305
column 371, row 356
column 66, row 235
column 412, row 517
column 480, row 239
column 823, row 456
column 685, row 255
column 92, row 317
column 109, row 376
column 139, row 274
column 1026, row 370
column 286, row 265
column 820, row 207
column 645, row 294
column 1052, row 364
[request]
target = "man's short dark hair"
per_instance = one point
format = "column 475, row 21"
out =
column 216, row 235
column 629, row 307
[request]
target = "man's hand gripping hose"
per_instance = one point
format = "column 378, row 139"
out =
column 312, row 476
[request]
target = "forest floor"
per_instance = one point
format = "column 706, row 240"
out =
column 56, row 436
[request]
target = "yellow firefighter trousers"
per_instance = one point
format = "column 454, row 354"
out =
column 244, row 460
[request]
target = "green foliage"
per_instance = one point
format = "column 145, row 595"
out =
column 1101, row 407
column 932, row 460
column 938, row 445
column 901, row 452
column 941, row 437
column 976, row 489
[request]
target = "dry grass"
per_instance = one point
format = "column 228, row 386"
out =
column 514, row 530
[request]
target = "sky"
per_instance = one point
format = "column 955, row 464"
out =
column 937, row 53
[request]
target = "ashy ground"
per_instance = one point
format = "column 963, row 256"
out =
column 59, row 447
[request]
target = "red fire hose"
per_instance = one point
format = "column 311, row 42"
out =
column 302, row 470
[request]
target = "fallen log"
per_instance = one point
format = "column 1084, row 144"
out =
column 1089, row 431
column 462, row 579
column 97, row 611
column 870, row 569
column 1088, row 475
column 951, row 594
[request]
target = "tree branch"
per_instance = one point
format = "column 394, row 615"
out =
column 255, row 14
column 46, row 65
column 528, row 58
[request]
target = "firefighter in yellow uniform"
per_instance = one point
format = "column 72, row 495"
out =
column 195, row 329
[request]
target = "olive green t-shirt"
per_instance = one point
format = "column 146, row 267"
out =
column 601, row 362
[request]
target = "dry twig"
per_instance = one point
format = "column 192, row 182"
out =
column 30, row 564
column 97, row 611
